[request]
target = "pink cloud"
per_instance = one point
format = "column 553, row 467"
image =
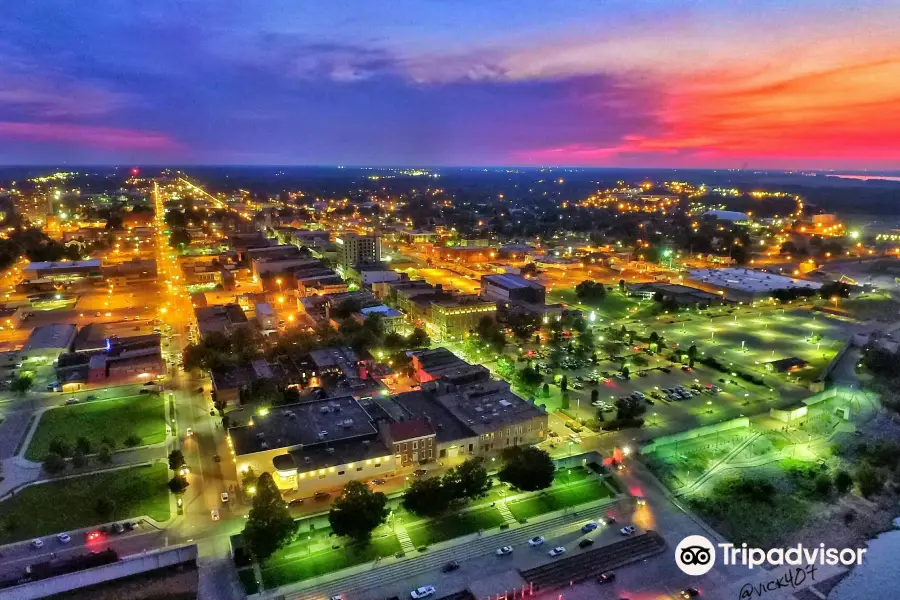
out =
column 87, row 135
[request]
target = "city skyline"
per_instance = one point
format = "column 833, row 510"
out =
column 654, row 84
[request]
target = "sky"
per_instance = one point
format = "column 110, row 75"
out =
column 608, row 83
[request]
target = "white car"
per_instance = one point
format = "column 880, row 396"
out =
column 189, row 432
column 627, row 530
column 536, row 541
column 557, row 551
column 224, row 496
column 37, row 543
column 504, row 551
column 64, row 538
column 214, row 513
column 422, row 592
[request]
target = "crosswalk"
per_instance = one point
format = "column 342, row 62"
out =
column 405, row 543
column 505, row 513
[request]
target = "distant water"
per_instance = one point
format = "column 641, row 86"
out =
column 868, row 177
column 878, row 572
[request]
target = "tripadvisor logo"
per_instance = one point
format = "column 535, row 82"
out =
column 696, row 555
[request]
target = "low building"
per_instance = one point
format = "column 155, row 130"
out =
column 224, row 318
column 452, row 318
column 413, row 441
column 371, row 273
column 747, row 285
column 337, row 361
column 266, row 317
column 46, row 343
column 63, row 271
column 512, row 289
column 440, row 363
column 313, row 446
column 391, row 319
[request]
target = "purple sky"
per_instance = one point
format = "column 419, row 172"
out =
column 811, row 84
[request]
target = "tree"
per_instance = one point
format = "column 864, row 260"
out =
column 60, row 446
column 357, row 511
column 468, row 481
column 625, row 371
column 842, row 481
column 426, row 497
column 564, row 384
column 823, row 485
column 84, row 445
column 176, row 459
column 628, row 407
column 178, row 484
column 529, row 377
column 21, row 384
column 418, row 338
column 79, row 460
column 546, row 390
column 249, row 478
column 692, row 355
column 179, row 238
column 595, row 395
column 527, row 468
column 622, row 285
column 269, row 524
column 104, row 455
column 868, row 479
column 54, row 463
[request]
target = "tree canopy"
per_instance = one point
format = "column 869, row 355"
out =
column 527, row 468
column 269, row 524
column 357, row 511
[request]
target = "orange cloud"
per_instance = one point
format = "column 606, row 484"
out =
column 847, row 111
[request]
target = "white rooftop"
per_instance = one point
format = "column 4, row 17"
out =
column 748, row 280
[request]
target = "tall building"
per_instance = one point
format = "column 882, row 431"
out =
column 358, row 249
column 35, row 207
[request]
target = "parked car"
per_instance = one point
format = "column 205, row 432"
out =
column 641, row 501
column 420, row 472
column 224, row 496
column 73, row 400
column 627, row 530
column 586, row 543
column 378, row 482
column 536, row 541
column 504, row 551
column 450, row 566
column 422, row 592
column 557, row 551
column 189, row 431
column 296, row 502
column 322, row 495
column 118, row 528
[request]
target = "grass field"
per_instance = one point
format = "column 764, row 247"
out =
column 142, row 415
column 311, row 555
column 68, row 504
column 613, row 307
column 560, row 497
column 426, row 533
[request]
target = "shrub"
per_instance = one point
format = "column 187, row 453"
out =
column 61, row 447
column 54, row 463
column 842, row 481
column 132, row 440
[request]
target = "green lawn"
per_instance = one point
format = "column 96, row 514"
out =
column 305, row 558
column 142, row 415
column 69, row 504
column 426, row 533
column 560, row 497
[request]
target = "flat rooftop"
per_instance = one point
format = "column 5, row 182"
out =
column 423, row 404
column 51, row 337
column 93, row 263
column 321, row 422
column 338, row 356
column 344, row 452
column 485, row 407
column 511, row 282
column 748, row 280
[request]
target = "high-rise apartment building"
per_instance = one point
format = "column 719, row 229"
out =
column 358, row 249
